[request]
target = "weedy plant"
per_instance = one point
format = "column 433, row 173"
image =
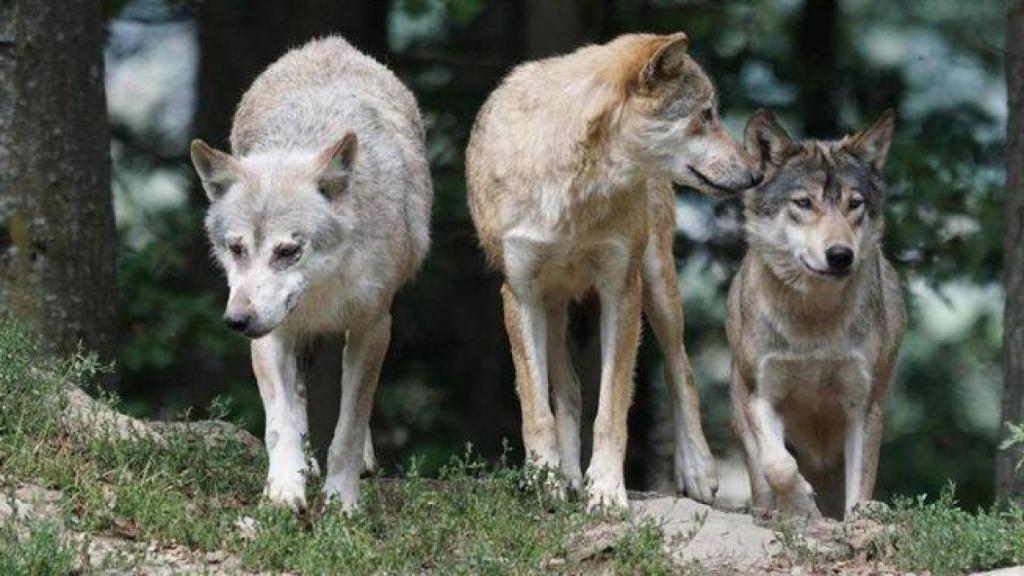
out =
column 181, row 488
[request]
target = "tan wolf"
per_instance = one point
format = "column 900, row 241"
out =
column 318, row 217
column 815, row 319
column 569, row 167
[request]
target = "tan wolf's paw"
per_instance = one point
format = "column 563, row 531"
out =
column 696, row 475
column 607, row 495
column 288, row 493
column 344, row 492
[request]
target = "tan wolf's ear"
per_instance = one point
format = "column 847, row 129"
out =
column 217, row 170
column 667, row 61
column 765, row 140
column 334, row 166
column 872, row 145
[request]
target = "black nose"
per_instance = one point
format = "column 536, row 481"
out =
column 238, row 322
column 756, row 177
column 839, row 257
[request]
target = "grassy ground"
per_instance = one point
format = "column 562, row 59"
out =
column 184, row 491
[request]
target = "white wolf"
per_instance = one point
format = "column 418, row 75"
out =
column 318, row 217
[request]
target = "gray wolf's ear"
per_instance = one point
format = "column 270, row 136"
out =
column 872, row 145
column 217, row 170
column 765, row 140
column 667, row 61
column 334, row 166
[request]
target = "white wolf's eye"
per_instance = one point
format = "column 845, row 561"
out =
column 236, row 249
column 285, row 251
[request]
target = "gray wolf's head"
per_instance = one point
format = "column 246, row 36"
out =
column 671, row 119
column 277, row 223
column 819, row 211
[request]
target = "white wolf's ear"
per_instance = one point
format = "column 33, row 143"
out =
column 667, row 61
column 217, row 170
column 334, row 166
column 872, row 145
column 765, row 140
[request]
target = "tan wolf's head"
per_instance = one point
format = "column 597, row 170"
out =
column 669, row 118
column 819, row 211
column 277, row 224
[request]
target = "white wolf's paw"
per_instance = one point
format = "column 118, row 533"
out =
column 343, row 491
column 606, row 492
column 696, row 475
column 289, row 492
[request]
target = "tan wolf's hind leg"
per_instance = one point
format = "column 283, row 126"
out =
column 761, row 499
column 620, row 332
column 566, row 392
column 694, row 466
column 525, row 323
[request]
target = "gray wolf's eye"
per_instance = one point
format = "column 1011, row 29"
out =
column 856, row 202
column 803, row 203
column 285, row 251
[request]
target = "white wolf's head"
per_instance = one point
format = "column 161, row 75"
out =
column 671, row 122
column 277, row 223
column 819, row 212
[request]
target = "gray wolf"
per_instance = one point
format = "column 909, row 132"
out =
column 318, row 216
column 815, row 319
column 569, row 168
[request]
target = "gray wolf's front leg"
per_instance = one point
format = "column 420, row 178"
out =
column 284, row 404
column 365, row 349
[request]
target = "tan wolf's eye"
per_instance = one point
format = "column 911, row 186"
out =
column 804, row 203
column 707, row 114
column 856, row 202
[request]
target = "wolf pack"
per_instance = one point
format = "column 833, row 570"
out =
column 321, row 213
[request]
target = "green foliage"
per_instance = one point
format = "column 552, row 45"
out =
column 36, row 549
column 941, row 537
column 1015, row 437
column 188, row 489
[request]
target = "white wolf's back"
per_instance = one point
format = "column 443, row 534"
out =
column 312, row 95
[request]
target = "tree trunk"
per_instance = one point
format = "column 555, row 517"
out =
column 815, row 61
column 56, row 215
column 1009, row 483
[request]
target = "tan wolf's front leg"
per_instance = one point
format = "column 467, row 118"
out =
column 620, row 332
column 566, row 392
column 793, row 494
column 526, row 324
column 284, row 404
column 364, row 354
column 694, row 466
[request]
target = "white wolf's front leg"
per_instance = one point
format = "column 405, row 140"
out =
column 619, row 292
column 364, row 354
column 566, row 392
column 284, row 404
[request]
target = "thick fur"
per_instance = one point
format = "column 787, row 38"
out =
column 569, row 168
column 814, row 345
column 318, row 217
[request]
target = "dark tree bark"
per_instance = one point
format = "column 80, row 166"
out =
column 815, row 61
column 56, row 214
column 1010, row 483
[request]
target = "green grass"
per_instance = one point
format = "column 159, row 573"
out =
column 474, row 519
column 36, row 549
column 941, row 537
